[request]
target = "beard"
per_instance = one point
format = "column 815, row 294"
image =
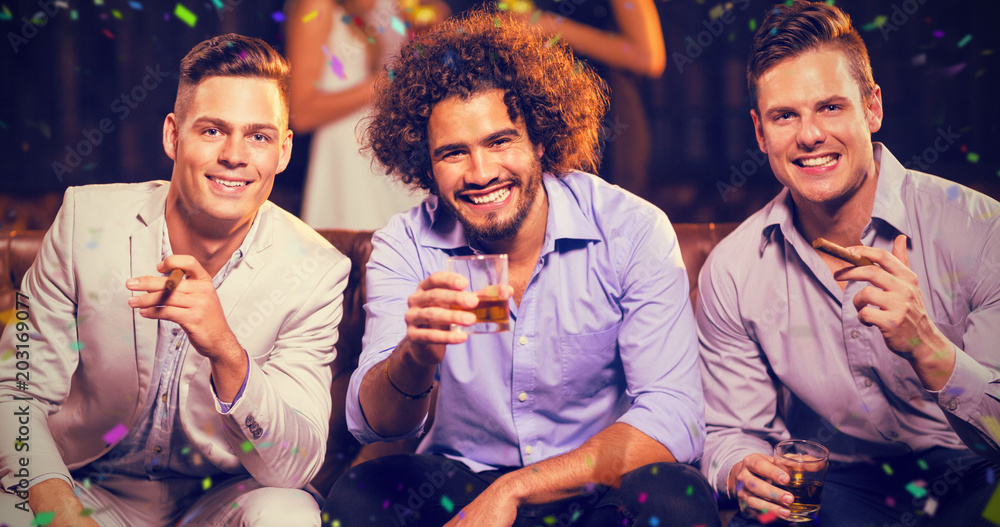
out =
column 493, row 228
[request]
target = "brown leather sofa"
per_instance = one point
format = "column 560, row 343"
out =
column 18, row 249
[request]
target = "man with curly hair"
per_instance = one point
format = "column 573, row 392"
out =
column 586, row 409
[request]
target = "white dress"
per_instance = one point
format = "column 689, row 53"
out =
column 343, row 189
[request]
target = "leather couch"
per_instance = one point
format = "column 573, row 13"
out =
column 18, row 249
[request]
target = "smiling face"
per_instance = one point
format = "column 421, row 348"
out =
column 815, row 128
column 486, row 170
column 232, row 141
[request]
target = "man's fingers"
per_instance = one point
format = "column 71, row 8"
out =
column 192, row 269
column 443, row 298
column 427, row 336
column 437, row 317
column 899, row 250
column 444, row 280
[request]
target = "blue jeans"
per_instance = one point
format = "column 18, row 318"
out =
column 867, row 495
column 428, row 490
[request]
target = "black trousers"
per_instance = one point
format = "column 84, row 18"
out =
column 427, row 490
column 894, row 492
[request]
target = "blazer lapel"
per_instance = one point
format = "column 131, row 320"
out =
column 146, row 246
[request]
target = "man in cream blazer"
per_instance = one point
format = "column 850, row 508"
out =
column 204, row 404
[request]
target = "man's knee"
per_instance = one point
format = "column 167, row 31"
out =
column 269, row 506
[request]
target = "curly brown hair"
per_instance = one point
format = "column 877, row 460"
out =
column 561, row 100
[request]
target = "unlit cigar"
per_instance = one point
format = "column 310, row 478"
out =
column 833, row 249
column 174, row 278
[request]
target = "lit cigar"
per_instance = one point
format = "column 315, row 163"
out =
column 174, row 278
column 833, row 249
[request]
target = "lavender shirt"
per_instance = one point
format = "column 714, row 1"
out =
column 604, row 333
column 784, row 355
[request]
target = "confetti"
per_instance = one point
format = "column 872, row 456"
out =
column 185, row 15
column 73, row 14
column 337, row 67
column 310, row 17
column 690, row 490
column 6, row 14
column 43, row 518
column 116, row 433
column 965, row 40
column 398, row 26
column 931, row 506
column 653, row 520
column 247, row 446
column 922, row 464
column 447, row 504
column 76, row 346
column 753, row 24
column 972, row 157
column 116, row 13
column 767, row 517
column 549, row 520
column 890, row 501
column 887, row 468
column 917, row 488
column 135, row 5
column 278, row 16
column 588, row 461
column 642, row 497
column 86, row 512
column 108, row 34
column 206, row 483
column 218, row 4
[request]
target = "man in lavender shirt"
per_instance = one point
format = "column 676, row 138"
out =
column 892, row 366
column 586, row 409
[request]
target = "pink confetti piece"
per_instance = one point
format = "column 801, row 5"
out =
column 767, row 517
column 112, row 436
column 642, row 497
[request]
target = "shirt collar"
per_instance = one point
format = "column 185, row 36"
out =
column 566, row 219
column 888, row 205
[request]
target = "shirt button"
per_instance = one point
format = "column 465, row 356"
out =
column 855, row 334
column 157, row 449
column 523, row 340
column 522, row 397
column 953, row 406
column 868, row 382
column 527, row 450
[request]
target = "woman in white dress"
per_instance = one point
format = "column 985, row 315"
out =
column 335, row 50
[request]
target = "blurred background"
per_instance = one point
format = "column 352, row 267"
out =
column 87, row 84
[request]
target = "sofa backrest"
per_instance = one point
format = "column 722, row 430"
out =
column 18, row 249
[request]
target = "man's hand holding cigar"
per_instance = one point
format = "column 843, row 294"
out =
column 194, row 305
column 894, row 303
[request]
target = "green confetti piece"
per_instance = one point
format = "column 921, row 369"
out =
column 656, row 470
column 915, row 341
column 76, row 346
column 881, row 20
column 576, row 516
column 218, row 4
column 185, row 15
column 73, row 14
column 116, row 13
column 43, row 518
column 496, row 22
column 887, row 468
column 992, row 510
column 6, row 14
column 965, row 40
column 185, row 450
column 753, row 24
column 588, row 461
column 247, row 446
column 973, row 157
column 234, row 505
column 690, row 490
column 917, row 491
column 550, row 520
column 829, row 2
column 447, row 504
column 922, row 464
column 206, row 483
column 86, row 512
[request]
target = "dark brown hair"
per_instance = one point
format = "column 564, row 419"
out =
column 791, row 30
column 231, row 55
column 561, row 100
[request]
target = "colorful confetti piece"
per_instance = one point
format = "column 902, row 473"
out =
column 398, row 26
column 642, row 497
column 112, row 436
column 767, row 517
column 135, row 5
column 337, row 67
column 5, row 15
column 965, row 40
column 247, row 446
column 43, row 518
column 922, row 464
column 972, row 157
column 310, row 17
column 185, row 15
column 278, row 16
column 916, row 488
column 447, row 504
column 206, row 483
column 887, row 468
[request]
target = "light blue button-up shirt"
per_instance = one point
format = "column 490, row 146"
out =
column 603, row 333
